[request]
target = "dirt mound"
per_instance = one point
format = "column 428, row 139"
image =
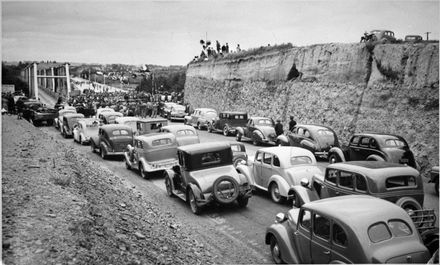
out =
column 60, row 208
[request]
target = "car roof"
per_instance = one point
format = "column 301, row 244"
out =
column 234, row 112
column 111, row 113
column 152, row 119
column 74, row 115
column 314, row 127
column 154, row 136
column 375, row 169
column 127, row 118
column 284, row 152
column 111, row 127
column 175, row 128
column 358, row 210
column 204, row 147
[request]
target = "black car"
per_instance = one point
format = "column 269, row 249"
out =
column 227, row 122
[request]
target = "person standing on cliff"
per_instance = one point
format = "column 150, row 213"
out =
column 217, row 46
column 292, row 123
column 279, row 128
column 227, row 48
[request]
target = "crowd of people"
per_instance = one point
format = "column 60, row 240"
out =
column 218, row 50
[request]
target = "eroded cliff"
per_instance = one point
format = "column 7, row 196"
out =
column 389, row 88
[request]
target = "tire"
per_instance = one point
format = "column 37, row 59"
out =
column 242, row 201
column 238, row 137
column 192, row 203
column 275, row 193
column 226, row 130
column 103, row 153
column 50, row 122
column 275, row 250
column 144, row 174
column 255, row 142
column 333, row 158
column 168, row 187
column 219, row 192
column 409, row 205
column 296, row 201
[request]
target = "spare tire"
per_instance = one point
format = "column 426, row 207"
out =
column 225, row 189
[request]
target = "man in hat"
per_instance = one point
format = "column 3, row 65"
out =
column 279, row 128
column 292, row 123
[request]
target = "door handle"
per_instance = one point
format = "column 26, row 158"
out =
column 327, row 252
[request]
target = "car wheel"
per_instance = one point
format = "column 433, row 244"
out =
column 193, row 203
column 144, row 174
column 333, row 158
column 225, row 189
column 295, row 200
column 275, row 250
column 168, row 186
column 238, row 137
column 255, row 142
column 226, row 130
column 410, row 205
column 103, row 153
column 242, row 201
column 275, row 193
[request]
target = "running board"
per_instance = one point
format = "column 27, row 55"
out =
column 179, row 194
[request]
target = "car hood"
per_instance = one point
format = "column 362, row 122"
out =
column 296, row 173
column 205, row 178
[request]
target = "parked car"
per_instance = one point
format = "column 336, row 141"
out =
column 87, row 111
column 69, row 120
column 184, row 134
column 393, row 182
column 316, row 138
column 112, row 139
column 200, row 117
column 84, row 129
column 150, row 125
column 38, row 113
column 259, row 130
column 102, row 110
column 173, row 111
column 375, row 147
column 413, row 38
column 152, row 153
column 227, row 122
column 28, row 106
column 59, row 120
column 277, row 169
column 353, row 229
column 109, row 117
column 129, row 121
column 205, row 174
column 384, row 36
column 433, row 177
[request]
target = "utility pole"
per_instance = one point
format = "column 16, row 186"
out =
column 427, row 35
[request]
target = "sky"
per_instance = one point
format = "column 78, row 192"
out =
column 169, row 32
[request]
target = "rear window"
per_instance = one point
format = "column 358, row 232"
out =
column 185, row 132
column 331, row 175
column 346, row 180
column 300, row 160
column 399, row 228
column 163, row 141
column 378, row 232
column 264, row 122
column 211, row 158
column 394, row 143
column 400, row 182
column 120, row 133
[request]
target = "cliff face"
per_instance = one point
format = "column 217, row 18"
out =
column 390, row 88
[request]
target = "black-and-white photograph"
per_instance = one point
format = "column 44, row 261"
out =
column 220, row 132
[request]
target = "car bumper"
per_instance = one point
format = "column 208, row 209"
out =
column 161, row 166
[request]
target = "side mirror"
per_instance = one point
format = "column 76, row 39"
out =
column 305, row 182
column 280, row 217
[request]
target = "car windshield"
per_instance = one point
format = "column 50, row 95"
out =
column 120, row 133
column 264, row 122
column 394, row 143
column 300, row 160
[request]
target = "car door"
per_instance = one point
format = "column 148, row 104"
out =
column 340, row 243
column 364, row 148
column 303, row 236
column 250, row 128
column 353, row 148
column 256, row 168
column 320, row 247
column 266, row 169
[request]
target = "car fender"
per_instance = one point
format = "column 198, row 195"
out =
column 283, row 140
column 375, row 158
column 257, row 135
column 244, row 170
column 283, row 186
column 304, row 194
column 170, row 174
column 337, row 151
column 288, row 251
column 239, row 130
column 144, row 163
column 195, row 189
column 104, row 145
column 94, row 140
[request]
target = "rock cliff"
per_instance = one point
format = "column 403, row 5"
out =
column 389, row 88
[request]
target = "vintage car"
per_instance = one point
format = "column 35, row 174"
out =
column 399, row 184
column 185, row 134
column 375, row 147
column 87, row 111
column 259, row 130
column 59, row 120
column 227, row 122
column 200, row 117
column 109, row 117
column 112, row 139
column 150, row 125
column 69, row 120
column 433, row 177
column 384, row 36
column 129, row 121
column 174, row 111
column 205, row 174
column 277, row 169
column 38, row 113
column 84, row 129
column 152, row 153
column 102, row 110
column 316, row 138
column 355, row 229
column 413, row 38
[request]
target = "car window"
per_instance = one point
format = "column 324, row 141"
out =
column 211, row 158
column 259, row 157
column 325, row 132
column 361, row 183
column 321, row 227
column 331, row 175
column 365, row 141
column 379, row 232
column 276, row 161
column 139, row 144
column 163, row 141
column 400, row 181
column 267, row 159
column 394, row 143
column 339, row 235
column 305, row 220
column 399, row 228
column 235, row 148
column 354, row 140
column 307, row 134
column 180, row 132
column 346, row 180
column 264, row 122
column 300, row 131
column 373, row 143
column 189, row 132
column 300, row 160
